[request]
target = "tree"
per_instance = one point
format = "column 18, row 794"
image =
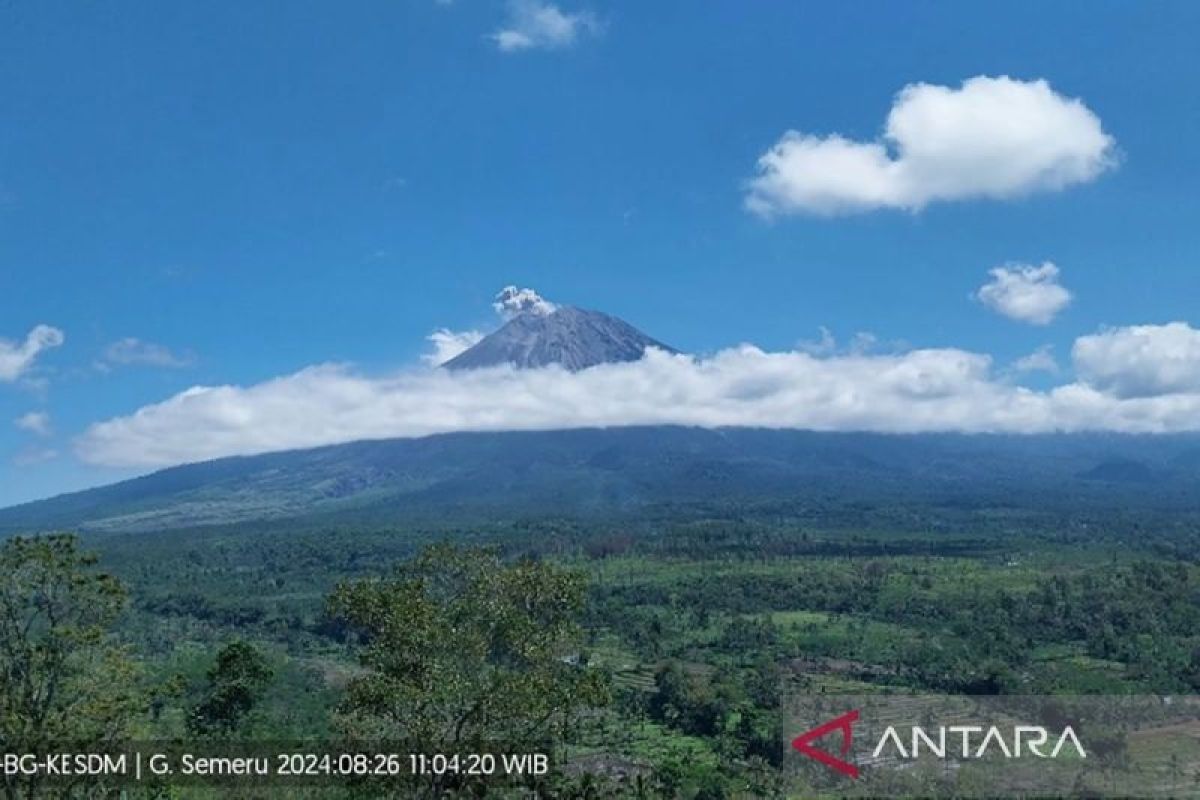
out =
column 1193, row 669
column 465, row 653
column 235, row 684
column 63, row 677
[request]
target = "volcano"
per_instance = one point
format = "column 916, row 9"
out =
column 573, row 338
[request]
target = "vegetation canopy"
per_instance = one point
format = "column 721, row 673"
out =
column 464, row 653
column 63, row 677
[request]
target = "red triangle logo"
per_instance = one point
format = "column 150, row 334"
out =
column 845, row 724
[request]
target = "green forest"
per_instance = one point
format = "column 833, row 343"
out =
column 651, row 659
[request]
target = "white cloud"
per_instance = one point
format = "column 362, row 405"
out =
column 17, row 357
column 447, row 344
column 34, row 422
column 136, row 352
column 1141, row 360
column 533, row 24
column 991, row 138
column 34, row 455
column 861, row 343
column 920, row 390
column 511, row 301
column 824, row 346
column 1025, row 293
column 1040, row 360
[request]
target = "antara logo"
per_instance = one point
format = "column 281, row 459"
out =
column 947, row 741
column 1033, row 738
column 845, row 724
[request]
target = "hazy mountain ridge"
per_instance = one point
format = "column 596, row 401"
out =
column 598, row 470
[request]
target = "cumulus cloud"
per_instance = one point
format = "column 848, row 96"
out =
column 131, row 351
column 1025, row 293
column 511, row 301
column 447, row 344
column 532, row 24
column 17, row 357
column 1141, row 360
column 920, row 390
column 34, row 422
column 991, row 138
column 1040, row 360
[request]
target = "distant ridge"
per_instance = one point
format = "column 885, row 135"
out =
column 635, row 470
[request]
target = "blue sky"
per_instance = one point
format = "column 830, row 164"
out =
column 250, row 189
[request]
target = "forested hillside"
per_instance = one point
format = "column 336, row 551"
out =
column 606, row 472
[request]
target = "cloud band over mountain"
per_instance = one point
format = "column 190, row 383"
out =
column 1129, row 380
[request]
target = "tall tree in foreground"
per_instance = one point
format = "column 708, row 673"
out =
column 467, row 654
column 63, row 678
column 236, row 682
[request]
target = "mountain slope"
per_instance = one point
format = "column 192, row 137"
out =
column 630, row 470
column 571, row 337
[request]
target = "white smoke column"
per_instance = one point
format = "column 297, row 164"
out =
column 511, row 302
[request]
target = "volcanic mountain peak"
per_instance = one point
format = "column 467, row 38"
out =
column 573, row 338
